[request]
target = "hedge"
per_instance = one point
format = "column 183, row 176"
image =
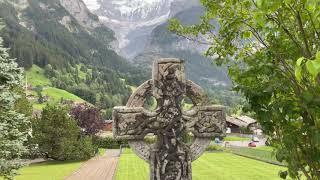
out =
column 109, row 142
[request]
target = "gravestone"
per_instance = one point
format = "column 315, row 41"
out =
column 170, row 156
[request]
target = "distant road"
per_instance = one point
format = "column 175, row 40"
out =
column 245, row 143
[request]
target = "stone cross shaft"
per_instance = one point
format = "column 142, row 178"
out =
column 170, row 156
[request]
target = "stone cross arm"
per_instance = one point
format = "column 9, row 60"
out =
column 136, row 122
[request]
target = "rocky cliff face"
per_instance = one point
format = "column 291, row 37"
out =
column 81, row 13
column 134, row 20
column 162, row 43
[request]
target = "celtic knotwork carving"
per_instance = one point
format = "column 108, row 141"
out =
column 169, row 158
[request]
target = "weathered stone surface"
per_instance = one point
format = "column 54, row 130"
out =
column 170, row 157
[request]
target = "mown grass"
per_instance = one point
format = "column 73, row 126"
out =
column 36, row 77
column 52, row 170
column 210, row 166
column 265, row 148
column 55, row 95
column 236, row 138
column 58, row 94
column 261, row 153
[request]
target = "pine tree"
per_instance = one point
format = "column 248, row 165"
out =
column 13, row 131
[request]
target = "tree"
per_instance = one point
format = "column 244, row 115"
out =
column 59, row 137
column 13, row 125
column 88, row 118
column 272, row 50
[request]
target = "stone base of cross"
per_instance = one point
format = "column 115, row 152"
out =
column 170, row 157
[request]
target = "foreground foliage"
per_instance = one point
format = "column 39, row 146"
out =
column 14, row 126
column 59, row 137
column 272, row 48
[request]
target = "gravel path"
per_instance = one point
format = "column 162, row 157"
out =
column 98, row 168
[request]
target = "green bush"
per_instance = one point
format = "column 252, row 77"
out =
column 214, row 147
column 109, row 142
column 77, row 150
column 59, row 137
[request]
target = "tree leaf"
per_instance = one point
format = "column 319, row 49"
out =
column 246, row 34
column 313, row 67
column 299, row 61
column 298, row 73
column 318, row 56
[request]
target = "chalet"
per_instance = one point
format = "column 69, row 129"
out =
column 234, row 124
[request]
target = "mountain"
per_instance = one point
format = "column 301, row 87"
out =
column 134, row 20
column 140, row 28
column 162, row 43
column 71, row 45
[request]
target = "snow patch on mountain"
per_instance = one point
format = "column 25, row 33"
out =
column 133, row 20
column 92, row 4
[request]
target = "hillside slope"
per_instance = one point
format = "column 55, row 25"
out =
column 60, row 36
column 35, row 79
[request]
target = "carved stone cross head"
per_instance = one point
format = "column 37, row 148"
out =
column 170, row 157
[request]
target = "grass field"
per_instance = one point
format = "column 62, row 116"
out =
column 56, row 95
column 53, row 170
column 265, row 148
column 210, row 166
column 236, row 138
column 35, row 76
column 263, row 153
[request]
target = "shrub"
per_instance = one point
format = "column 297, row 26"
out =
column 214, row 147
column 109, row 142
column 59, row 137
column 88, row 118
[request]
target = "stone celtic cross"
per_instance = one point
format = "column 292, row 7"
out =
column 170, row 156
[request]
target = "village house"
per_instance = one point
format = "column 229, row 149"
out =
column 236, row 124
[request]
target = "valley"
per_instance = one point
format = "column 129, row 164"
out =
column 71, row 50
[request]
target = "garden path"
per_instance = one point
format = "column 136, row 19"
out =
column 98, row 168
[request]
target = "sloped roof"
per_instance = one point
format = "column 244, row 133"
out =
column 241, row 121
column 236, row 121
column 246, row 119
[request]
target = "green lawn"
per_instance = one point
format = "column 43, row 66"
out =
column 265, row 148
column 56, row 95
column 53, row 170
column 210, row 166
column 261, row 153
column 236, row 138
column 35, row 76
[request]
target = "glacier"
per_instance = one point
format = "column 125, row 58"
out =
column 133, row 20
column 92, row 4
